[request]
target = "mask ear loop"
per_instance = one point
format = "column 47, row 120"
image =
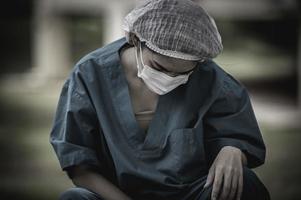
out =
column 141, row 58
column 137, row 60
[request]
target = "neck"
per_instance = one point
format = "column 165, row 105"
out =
column 128, row 60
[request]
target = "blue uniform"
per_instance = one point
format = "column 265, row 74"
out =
column 95, row 125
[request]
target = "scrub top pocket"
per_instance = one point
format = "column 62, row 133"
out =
column 186, row 147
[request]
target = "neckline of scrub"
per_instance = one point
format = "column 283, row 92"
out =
column 152, row 143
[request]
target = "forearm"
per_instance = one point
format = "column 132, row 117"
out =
column 98, row 184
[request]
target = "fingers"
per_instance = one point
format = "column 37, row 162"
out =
column 228, row 176
column 240, row 185
column 234, row 186
column 210, row 177
column 217, row 183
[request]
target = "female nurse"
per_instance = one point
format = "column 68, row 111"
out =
column 152, row 116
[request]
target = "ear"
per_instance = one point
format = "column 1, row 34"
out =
column 131, row 38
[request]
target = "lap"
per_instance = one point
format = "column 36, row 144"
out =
column 253, row 188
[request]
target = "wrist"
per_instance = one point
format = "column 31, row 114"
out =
column 243, row 155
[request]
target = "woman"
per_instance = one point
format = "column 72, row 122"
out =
column 151, row 116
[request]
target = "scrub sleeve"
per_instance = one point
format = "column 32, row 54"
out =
column 75, row 127
column 230, row 121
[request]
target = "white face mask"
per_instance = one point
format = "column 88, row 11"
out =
column 157, row 81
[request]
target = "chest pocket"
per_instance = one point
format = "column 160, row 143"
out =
column 187, row 148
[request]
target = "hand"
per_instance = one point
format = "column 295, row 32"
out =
column 226, row 174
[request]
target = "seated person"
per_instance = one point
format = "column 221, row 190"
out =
column 151, row 116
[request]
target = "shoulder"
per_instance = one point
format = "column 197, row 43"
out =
column 223, row 83
column 224, row 79
column 89, row 69
column 228, row 94
column 101, row 57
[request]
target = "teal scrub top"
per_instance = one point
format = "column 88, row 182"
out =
column 95, row 125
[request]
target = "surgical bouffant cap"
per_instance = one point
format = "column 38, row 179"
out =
column 176, row 28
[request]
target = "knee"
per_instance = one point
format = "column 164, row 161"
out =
column 253, row 188
column 250, row 177
column 75, row 193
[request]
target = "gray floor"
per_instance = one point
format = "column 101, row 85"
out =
column 30, row 170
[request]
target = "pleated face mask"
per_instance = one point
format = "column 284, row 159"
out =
column 157, row 81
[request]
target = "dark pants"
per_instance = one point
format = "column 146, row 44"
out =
column 253, row 189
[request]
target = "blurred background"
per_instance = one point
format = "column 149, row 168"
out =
column 41, row 40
